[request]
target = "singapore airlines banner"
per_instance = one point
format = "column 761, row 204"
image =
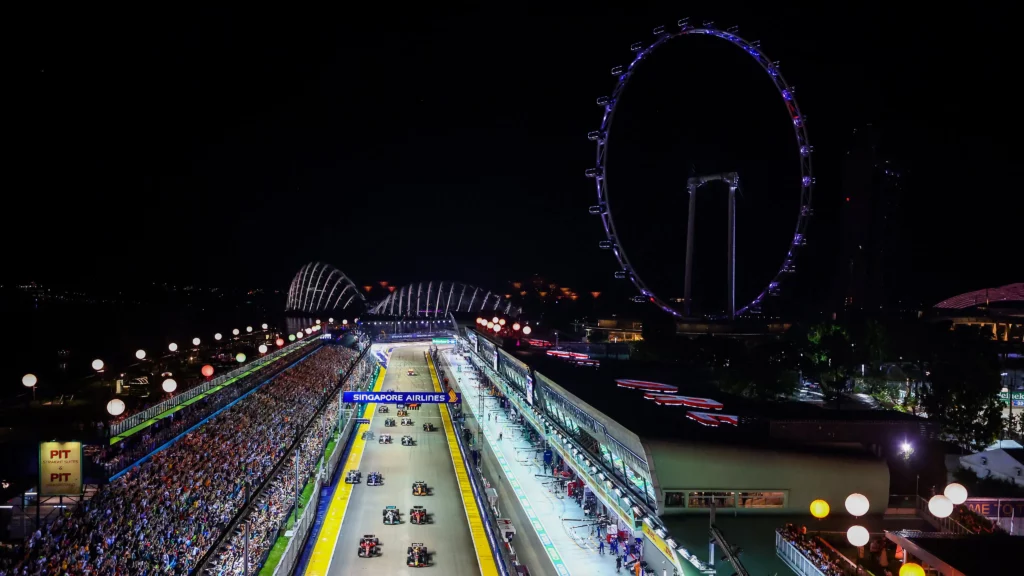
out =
column 60, row 468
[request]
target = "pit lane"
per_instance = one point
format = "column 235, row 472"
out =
column 448, row 537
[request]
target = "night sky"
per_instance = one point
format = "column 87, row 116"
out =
column 448, row 141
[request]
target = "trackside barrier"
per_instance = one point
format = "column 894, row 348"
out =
column 253, row 495
column 302, row 528
column 140, row 417
column 498, row 549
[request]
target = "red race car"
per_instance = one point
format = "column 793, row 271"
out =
column 418, row 515
column 369, row 546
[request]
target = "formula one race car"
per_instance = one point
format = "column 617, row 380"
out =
column 382, row 409
column 368, row 435
column 406, row 421
column 419, row 488
column 414, row 406
column 428, row 427
column 353, row 477
column 418, row 515
column 408, row 441
column 411, row 372
column 389, row 422
column 392, row 515
column 369, row 546
column 417, row 557
column 374, row 479
column 384, row 439
column 402, row 412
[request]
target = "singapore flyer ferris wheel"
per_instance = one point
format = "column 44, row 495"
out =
column 804, row 185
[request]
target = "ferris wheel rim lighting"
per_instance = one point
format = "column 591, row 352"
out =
column 598, row 173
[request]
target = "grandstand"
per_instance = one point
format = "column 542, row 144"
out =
column 166, row 514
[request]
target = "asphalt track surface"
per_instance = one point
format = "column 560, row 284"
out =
column 447, row 538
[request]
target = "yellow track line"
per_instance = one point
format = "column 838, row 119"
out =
column 476, row 525
column 323, row 551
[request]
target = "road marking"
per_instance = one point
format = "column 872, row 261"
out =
column 484, row 554
column 524, row 501
column 323, row 552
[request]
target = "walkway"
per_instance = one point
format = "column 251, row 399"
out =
column 562, row 528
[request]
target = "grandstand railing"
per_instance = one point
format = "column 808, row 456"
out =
column 140, row 417
column 501, row 554
column 794, row 557
column 253, row 496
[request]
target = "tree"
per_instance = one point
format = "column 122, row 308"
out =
column 963, row 390
column 828, row 357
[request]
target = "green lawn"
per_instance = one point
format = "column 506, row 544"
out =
column 274, row 558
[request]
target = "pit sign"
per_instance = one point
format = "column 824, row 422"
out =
column 60, row 468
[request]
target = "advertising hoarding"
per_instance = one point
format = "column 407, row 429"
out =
column 60, row 468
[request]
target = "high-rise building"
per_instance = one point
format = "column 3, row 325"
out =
column 872, row 250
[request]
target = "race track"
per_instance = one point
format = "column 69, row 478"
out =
column 448, row 537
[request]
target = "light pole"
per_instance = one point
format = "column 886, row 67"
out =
column 30, row 381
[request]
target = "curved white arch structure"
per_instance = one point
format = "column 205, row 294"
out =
column 320, row 287
column 438, row 299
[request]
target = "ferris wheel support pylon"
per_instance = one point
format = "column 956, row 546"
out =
column 732, row 179
column 599, row 171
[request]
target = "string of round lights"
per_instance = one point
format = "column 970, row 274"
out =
column 601, row 136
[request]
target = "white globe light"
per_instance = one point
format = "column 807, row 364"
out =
column 264, row 325
column 502, row 321
column 495, row 319
column 263, row 348
column 318, row 321
column 169, row 385
column 490, row 325
column 140, row 354
column 309, row 330
column 235, row 331
column 172, row 347
column 115, row 407
column 956, row 493
column 858, row 535
column 857, row 504
column 344, row 322
column 940, row 506
column 330, row 320
column 240, row 357
column 97, row 364
column 29, row 380
column 248, row 328
column 299, row 334
column 497, row 328
column 195, row 341
column 516, row 326
column 527, row 330
column 217, row 336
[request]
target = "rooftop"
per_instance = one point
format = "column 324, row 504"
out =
column 990, row 554
column 597, row 387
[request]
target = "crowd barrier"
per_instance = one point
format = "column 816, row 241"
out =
column 253, row 496
column 140, row 417
column 794, row 557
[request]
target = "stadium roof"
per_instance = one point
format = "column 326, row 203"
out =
column 985, row 297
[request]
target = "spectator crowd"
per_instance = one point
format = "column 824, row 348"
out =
column 163, row 516
column 277, row 501
column 116, row 458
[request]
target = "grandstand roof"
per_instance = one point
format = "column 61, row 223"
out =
column 985, row 297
